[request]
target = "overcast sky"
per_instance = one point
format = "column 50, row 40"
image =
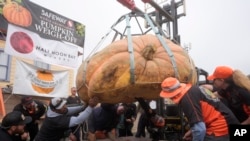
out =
column 218, row 30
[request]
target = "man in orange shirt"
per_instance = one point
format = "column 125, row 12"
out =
column 208, row 117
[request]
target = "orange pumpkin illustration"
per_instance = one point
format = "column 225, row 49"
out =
column 17, row 14
column 43, row 82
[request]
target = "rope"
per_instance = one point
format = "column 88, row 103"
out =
column 98, row 45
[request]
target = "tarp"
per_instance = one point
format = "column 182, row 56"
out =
column 30, row 80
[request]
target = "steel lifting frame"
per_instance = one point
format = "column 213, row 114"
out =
column 157, row 30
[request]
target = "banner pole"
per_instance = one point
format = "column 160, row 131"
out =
column 2, row 107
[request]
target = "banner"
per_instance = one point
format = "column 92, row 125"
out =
column 30, row 80
column 46, row 23
column 37, row 33
column 24, row 43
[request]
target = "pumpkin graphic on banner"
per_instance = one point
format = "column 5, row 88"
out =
column 43, row 82
column 17, row 14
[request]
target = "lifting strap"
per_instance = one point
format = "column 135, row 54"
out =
column 131, row 52
column 97, row 47
column 130, row 47
column 168, row 50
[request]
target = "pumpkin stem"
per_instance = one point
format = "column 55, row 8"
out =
column 17, row 6
column 148, row 52
column 41, row 71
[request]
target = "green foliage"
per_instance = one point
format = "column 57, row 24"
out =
column 19, row 1
column 1, row 6
column 3, row 2
column 80, row 29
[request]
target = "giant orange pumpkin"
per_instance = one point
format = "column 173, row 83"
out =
column 107, row 73
column 17, row 14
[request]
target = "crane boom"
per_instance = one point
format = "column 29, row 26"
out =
column 130, row 4
column 158, row 8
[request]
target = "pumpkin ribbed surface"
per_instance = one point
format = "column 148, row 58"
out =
column 108, row 71
column 17, row 14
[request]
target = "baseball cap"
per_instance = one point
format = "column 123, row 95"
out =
column 221, row 72
column 15, row 118
column 26, row 100
column 171, row 87
column 57, row 103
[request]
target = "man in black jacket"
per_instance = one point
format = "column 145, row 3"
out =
column 12, row 127
column 33, row 108
column 74, row 100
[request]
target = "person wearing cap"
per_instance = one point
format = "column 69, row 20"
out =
column 12, row 127
column 60, row 118
column 33, row 108
column 208, row 117
column 233, row 87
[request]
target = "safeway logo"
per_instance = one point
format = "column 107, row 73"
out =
column 239, row 132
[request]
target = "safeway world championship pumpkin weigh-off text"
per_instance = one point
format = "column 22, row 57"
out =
column 43, row 35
